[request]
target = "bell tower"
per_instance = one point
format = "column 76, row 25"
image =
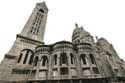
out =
column 20, row 57
column 35, row 26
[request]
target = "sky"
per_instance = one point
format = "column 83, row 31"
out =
column 102, row 18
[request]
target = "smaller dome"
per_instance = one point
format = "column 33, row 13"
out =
column 85, row 33
column 79, row 32
column 76, row 30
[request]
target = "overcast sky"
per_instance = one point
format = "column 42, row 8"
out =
column 102, row 18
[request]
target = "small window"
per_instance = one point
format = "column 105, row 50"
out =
column 95, row 70
column 33, row 32
column 63, row 58
column 63, row 71
column 92, row 59
column 116, row 71
column 36, row 61
column 72, row 58
column 83, row 59
column 44, row 60
column 55, row 59
column 41, row 10
column 33, row 72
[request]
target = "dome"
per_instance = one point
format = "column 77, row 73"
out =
column 76, row 30
column 84, row 33
column 79, row 32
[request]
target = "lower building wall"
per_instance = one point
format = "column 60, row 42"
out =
column 102, row 80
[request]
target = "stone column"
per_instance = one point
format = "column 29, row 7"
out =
column 37, row 70
column 69, row 65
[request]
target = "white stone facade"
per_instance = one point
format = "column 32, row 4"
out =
column 81, row 61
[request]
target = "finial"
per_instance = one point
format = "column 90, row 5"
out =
column 96, row 38
column 82, row 28
column 76, row 25
column 44, row 2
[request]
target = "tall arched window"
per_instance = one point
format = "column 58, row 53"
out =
column 26, row 56
column 83, row 58
column 63, row 58
column 92, row 58
column 31, row 59
column 44, row 60
column 72, row 58
column 36, row 61
column 37, row 22
column 20, row 57
column 55, row 59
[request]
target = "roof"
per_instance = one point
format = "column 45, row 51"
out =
column 43, row 5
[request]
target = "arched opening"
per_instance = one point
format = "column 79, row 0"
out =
column 20, row 57
column 31, row 59
column 55, row 59
column 41, row 10
column 36, row 61
column 26, row 56
column 72, row 58
column 26, row 53
column 63, row 58
column 44, row 60
column 92, row 59
column 83, row 59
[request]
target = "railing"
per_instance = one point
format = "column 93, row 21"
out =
column 92, row 76
column 60, row 77
column 38, row 78
column 66, row 77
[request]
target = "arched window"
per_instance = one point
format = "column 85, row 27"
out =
column 72, row 58
column 37, row 22
column 55, row 59
column 26, row 56
column 41, row 10
column 26, row 53
column 31, row 59
column 63, row 58
column 92, row 59
column 83, row 59
column 44, row 60
column 20, row 57
column 36, row 61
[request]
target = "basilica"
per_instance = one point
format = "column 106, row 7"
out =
column 82, row 60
